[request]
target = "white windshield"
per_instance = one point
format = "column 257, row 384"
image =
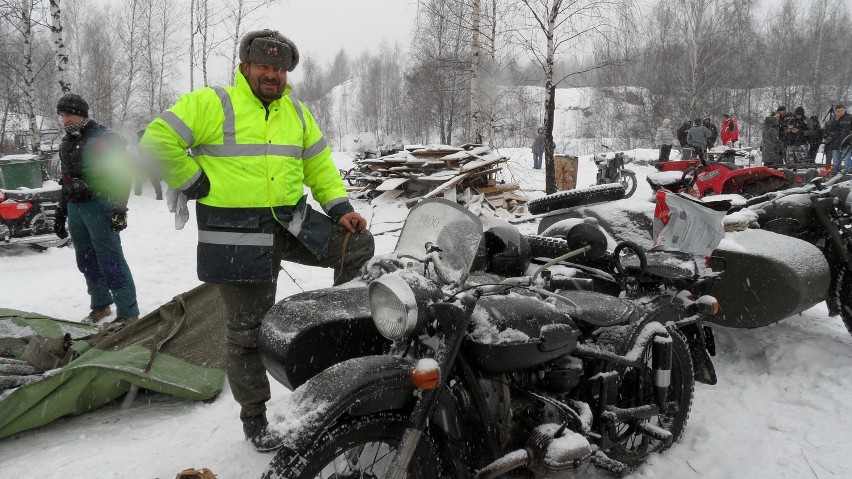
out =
column 445, row 225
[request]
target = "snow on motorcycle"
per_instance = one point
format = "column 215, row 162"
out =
column 462, row 355
column 26, row 218
column 819, row 213
column 611, row 170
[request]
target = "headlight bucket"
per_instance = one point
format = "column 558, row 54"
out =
column 398, row 303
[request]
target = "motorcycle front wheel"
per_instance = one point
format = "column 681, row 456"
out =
column 358, row 447
column 637, row 389
column 628, row 179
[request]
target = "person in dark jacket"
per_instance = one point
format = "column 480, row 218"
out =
column 538, row 148
column 714, row 132
column 816, row 139
column 698, row 137
column 772, row 148
column 836, row 130
column 95, row 187
column 682, row 131
column 796, row 136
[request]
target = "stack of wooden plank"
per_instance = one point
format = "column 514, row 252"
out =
column 436, row 171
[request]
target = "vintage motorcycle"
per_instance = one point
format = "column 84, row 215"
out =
column 611, row 170
column 462, row 356
column 819, row 213
column 26, row 218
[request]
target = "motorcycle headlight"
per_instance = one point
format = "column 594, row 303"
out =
column 399, row 306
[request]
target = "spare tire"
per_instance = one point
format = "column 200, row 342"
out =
column 572, row 198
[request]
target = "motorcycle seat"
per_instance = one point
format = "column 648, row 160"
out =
column 599, row 309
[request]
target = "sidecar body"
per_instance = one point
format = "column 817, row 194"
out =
column 767, row 276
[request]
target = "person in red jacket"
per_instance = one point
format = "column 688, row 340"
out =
column 730, row 133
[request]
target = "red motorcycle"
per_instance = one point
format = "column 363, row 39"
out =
column 725, row 177
column 26, row 218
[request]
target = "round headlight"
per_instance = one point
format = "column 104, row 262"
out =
column 393, row 305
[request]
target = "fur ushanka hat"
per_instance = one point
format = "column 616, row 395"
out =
column 270, row 48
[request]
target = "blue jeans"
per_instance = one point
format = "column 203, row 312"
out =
column 837, row 160
column 537, row 159
column 100, row 257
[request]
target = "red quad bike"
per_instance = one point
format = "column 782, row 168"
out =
column 26, row 218
column 724, row 177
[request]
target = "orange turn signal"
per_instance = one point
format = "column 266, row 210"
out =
column 425, row 379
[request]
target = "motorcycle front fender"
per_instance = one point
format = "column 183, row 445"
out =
column 308, row 332
column 359, row 387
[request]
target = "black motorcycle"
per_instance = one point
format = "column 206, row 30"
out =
column 821, row 214
column 463, row 357
column 611, row 170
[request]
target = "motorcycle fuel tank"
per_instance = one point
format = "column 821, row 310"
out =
column 767, row 277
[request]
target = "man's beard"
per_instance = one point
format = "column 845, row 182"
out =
column 265, row 95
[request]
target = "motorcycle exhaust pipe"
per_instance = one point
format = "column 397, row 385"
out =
column 661, row 364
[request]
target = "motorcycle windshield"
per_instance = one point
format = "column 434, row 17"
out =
column 452, row 228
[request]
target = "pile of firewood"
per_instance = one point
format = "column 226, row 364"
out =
column 466, row 173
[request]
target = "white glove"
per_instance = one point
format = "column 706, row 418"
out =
column 176, row 201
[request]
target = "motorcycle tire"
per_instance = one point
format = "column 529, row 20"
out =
column 547, row 246
column 628, row 179
column 841, row 293
column 635, row 447
column 581, row 197
column 374, row 436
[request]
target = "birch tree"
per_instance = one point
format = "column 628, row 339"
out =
column 475, row 123
column 29, row 75
column 562, row 28
column 59, row 46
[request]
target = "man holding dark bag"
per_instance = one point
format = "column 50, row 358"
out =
column 95, row 188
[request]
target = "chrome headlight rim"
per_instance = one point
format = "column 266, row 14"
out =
column 404, row 294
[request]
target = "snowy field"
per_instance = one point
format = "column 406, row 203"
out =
column 782, row 407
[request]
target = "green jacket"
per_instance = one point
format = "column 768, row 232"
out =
column 246, row 164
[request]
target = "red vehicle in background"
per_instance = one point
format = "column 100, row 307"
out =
column 26, row 218
column 725, row 177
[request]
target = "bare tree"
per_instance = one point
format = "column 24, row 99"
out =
column 29, row 74
column 475, row 123
column 59, row 46
column 564, row 25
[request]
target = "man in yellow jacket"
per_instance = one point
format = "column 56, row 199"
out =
column 244, row 152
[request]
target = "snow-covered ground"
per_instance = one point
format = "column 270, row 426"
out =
column 782, row 408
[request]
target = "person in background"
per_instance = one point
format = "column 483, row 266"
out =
column 836, row 130
column 781, row 111
column 664, row 138
column 816, row 139
column 698, row 137
column 253, row 147
column 730, row 131
column 772, row 148
column 681, row 133
column 95, row 186
column 146, row 171
column 714, row 132
column 797, row 135
column 538, row 148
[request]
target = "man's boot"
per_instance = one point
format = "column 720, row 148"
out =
column 97, row 314
column 256, row 431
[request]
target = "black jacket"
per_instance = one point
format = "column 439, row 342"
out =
column 682, row 131
column 94, row 165
column 802, row 136
column 836, row 130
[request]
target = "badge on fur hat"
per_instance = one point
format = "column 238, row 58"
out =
column 273, row 52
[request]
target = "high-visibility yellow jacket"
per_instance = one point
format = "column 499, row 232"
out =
column 246, row 164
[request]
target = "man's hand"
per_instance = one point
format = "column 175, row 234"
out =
column 59, row 227
column 353, row 222
column 118, row 220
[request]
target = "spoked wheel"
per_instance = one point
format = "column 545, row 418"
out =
column 628, row 179
column 637, row 389
column 357, row 447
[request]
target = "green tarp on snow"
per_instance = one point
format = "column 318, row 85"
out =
column 179, row 349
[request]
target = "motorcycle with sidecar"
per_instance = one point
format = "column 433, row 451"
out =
column 462, row 354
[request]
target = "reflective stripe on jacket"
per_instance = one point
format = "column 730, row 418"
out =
column 257, row 159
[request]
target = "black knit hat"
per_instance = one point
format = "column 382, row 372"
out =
column 799, row 111
column 73, row 104
column 269, row 48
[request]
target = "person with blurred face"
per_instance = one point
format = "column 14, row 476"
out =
column 95, row 187
column 837, row 138
column 252, row 147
